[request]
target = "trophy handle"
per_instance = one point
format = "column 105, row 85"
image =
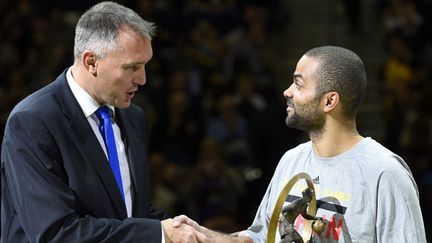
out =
column 312, row 209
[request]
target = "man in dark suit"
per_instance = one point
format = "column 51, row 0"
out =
column 59, row 181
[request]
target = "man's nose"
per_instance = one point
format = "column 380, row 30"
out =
column 288, row 92
column 141, row 77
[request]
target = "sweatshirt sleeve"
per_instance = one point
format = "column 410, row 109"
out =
column 399, row 217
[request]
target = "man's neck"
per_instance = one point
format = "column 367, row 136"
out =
column 77, row 74
column 335, row 139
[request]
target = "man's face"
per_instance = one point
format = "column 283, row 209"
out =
column 121, row 72
column 303, row 104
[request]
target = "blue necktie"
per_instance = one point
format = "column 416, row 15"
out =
column 106, row 129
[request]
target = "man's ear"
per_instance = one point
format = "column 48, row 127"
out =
column 90, row 62
column 331, row 100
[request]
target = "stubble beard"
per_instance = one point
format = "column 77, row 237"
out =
column 307, row 118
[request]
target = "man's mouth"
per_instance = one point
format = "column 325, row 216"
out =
column 290, row 105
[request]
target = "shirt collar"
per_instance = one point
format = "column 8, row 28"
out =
column 87, row 103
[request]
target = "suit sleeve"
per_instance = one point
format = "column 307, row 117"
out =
column 37, row 191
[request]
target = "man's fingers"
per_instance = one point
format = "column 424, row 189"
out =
column 183, row 219
column 183, row 222
column 182, row 233
column 192, row 235
column 200, row 237
column 177, row 221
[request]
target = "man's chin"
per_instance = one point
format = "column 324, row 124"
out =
column 291, row 119
column 123, row 105
column 292, row 122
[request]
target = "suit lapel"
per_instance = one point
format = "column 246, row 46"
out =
column 88, row 144
column 134, row 145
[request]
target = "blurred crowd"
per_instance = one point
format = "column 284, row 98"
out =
column 406, row 85
column 213, row 98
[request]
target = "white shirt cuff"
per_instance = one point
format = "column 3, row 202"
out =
column 163, row 234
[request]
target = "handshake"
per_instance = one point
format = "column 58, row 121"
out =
column 182, row 229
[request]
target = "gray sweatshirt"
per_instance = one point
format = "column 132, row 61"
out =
column 366, row 194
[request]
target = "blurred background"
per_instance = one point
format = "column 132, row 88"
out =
column 214, row 87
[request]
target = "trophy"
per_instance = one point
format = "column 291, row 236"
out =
column 286, row 216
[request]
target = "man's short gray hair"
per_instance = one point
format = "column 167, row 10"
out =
column 98, row 28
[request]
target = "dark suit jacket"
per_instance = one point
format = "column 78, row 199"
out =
column 56, row 182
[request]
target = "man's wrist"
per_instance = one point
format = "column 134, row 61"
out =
column 221, row 237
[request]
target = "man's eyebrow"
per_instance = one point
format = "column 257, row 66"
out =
column 297, row 76
column 132, row 64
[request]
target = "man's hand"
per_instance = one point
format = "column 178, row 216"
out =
column 182, row 233
column 183, row 219
column 210, row 236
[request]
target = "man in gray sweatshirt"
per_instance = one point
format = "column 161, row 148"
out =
column 364, row 192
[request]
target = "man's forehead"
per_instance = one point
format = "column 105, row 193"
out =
column 307, row 66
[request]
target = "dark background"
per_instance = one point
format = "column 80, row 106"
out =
column 214, row 87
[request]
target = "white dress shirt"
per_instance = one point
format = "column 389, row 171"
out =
column 89, row 107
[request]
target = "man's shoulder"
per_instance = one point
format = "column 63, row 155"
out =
column 296, row 154
column 42, row 105
column 40, row 101
column 373, row 156
column 299, row 150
